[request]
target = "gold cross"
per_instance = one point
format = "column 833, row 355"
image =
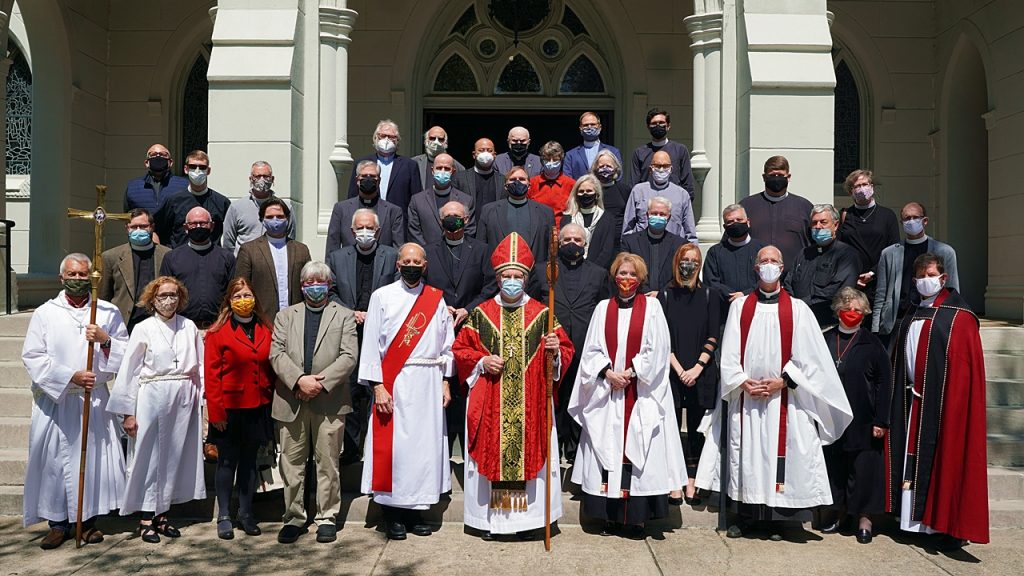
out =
column 99, row 216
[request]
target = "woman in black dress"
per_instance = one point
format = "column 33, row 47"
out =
column 855, row 462
column 614, row 189
column 693, row 311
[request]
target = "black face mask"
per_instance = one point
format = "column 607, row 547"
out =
column 658, row 132
column 519, row 150
column 776, row 183
column 570, row 252
column 586, row 200
column 452, row 223
column 367, row 185
column 158, row 164
column 199, row 235
column 737, row 230
column 517, row 188
column 411, row 274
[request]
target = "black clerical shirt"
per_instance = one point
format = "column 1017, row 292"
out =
column 364, row 279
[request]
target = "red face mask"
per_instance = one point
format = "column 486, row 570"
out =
column 628, row 285
column 850, row 318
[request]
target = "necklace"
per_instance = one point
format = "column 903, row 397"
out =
column 71, row 313
column 868, row 214
column 170, row 343
column 840, row 352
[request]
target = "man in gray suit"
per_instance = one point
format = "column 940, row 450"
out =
column 518, row 154
column 424, row 218
column 435, row 142
column 358, row 271
column 896, row 269
column 390, row 216
column 313, row 352
column 129, row 267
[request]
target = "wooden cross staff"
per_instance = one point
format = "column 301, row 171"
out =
column 99, row 216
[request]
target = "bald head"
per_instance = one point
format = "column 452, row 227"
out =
column 444, row 161
column 410, row 257
column 198, row 225
column 411, row 251
column 453, row 209
column 769, row 253
column 661, row 157
column 483, row 145
column 198, row 215
column 519, row 133
column 572, row 233
column 161, row 159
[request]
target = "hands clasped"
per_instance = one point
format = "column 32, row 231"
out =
column 763, row 388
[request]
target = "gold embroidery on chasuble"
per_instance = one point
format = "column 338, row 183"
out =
column 513, row 396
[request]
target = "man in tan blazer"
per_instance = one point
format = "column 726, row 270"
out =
column 272, row 262
column 129, row 267
column 313, row 352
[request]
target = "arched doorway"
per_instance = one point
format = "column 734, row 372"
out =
column 966, row 170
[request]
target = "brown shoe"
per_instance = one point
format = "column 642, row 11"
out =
column 54, row 538
column 92, row 536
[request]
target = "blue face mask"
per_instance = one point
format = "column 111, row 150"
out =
column 276, row 226
column 442, row 178
column 657, row 223
column 139, row 237
column 517, row 188
column 316, row 294
column 552, row 168
column 590, row 133
column 821, row 236
column 512, row 287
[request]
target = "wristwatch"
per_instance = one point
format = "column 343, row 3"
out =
column 105, row 345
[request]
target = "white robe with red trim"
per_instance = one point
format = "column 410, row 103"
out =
column 818, row 412
column 420, row 468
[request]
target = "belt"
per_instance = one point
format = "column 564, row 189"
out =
column 72, row 390
column 165, row 378
column 425, row 362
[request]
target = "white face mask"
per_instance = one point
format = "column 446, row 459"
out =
column 484, row 160
column 386, row 146
column 769, row 273
column 366, row 238
column 913, row 226
column 197, row 177
column 661, row 175
column 928, row 286
column 433, row 148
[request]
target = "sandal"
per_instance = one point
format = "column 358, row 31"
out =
column 148, row 533
column 162, row 526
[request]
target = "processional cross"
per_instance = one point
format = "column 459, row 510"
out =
column 99, row 216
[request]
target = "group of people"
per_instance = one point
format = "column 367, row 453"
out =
column 427, row 321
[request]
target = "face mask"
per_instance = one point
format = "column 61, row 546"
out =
column 657, row 223
column 433, row 147
column 737, row 230
column 276, row 226
column 368, row 185
column 570, row 252
column 850, row 318
column 77, row 287
column 139, row 237
column 442, row 178
column 821, row 236
column 366, row 238
column 605, row 173
column 386, row 146
column 928, row 286
column 243, row 306
column 590, row 133
column 552, row 169
column 586, row 200
column 315, row 294
column 166, row 306
column 411, row 274
column 518, row 150
column 484, row 160
column 863, row 193
column 658, row 132
column 687, row 269
column 158, row 164
column 452, row 223
column 913, row 226
column 661, row 175
column 261, row 185
column 512, row 287
column 627, row 286
column 197, row 177
column 769, row 273
column 517, row 188
column 199, row 235
column 776, row 183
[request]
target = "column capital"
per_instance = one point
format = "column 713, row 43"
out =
column 336, row 23
column 701, row 7
column 705, row 30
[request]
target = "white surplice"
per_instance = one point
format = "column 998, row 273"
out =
column 477, row 512
column 159, row 383
column 419, row 459
column 55, row 348
column 818, row 412
column 652, row 442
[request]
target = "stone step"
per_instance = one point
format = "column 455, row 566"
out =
column 14, row 432
column 1006, row 450
column 1006, row 514
column 15, row 324
column 1005, row 484
column 1002, row 366
column 15, row 402
column 10, row 347
column 12, row 466
column 13, row 373
column 1003, row 339
column 1005, row 420
column 1004, row 392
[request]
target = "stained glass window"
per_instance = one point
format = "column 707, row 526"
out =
column 571, row 21
column 518, row 77
column 19, row 113
column 847, row 124
column 455, row 76
column 466, row 21
column 195, row 109
column 519, row 15
column 582, row 77
column 487, row 47
column 551, row 48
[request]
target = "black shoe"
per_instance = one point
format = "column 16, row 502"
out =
column 695, row 501
column 673, row 501
column 149, row 534
column 486, row 536
column 734, row 531
column 225, row 529
column 530, row 535
column 290, row 533
column 162, row 526
column 396, row 531
column 421, row 529
column 326, row 533
column 832, row 528
column 633, row 531
column 864, row 536
column 611, row 528
column 249, row 526
column 947, row 543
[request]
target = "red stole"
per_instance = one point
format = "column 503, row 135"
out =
column 786, row 329
column 398, row 352
column 611, row 337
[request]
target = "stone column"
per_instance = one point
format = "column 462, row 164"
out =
column 705, row 28
column 336, row 21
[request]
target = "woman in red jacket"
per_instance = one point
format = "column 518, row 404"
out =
column 239, row 388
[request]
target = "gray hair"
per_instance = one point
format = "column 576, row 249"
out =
column 316, row 270
column 819, row 208
column 849, row 294
column 383, row 123
column 262, row 164
column 561, row 233
column 571, row 206
column 733, row 208
column 425, row 137
column 366, row 163
column 659, row 200
column 615, row 162
column 465, row 211
column 362, row 211
column 75, row 257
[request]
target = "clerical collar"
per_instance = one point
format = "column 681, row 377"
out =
column 845, row 330
column 920, row 240
column 738, row 243
column 442, row 191
column 485, row 172
column 241, row 320
column 626, row 302
column 591, row 144
column 825, row 248
column 279, row 242
column 927, row 302
column 371, row 202
column 590, row 210
column 775, row 198
column 200, row 247
column 366, row 251
column 572, row 263
column 199, row 193
column 659, row 143
column 870, row 205
column 655, row 236
column 518, row 202
column 145, row 248
column 451, row 242
column 768, row 297
column 516, row 304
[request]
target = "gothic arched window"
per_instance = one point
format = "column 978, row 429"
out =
column 19, row 113
column 581, row 77
column 196, row 107
column 847, row 124
column 518, row 77
column 455, row 76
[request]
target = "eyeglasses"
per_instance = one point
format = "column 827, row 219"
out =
column 392, row 137
column 769, row 262
column 191, row 225
column 661, row 124
column 440, row 139
column 202, row 167
column 518, row 140
column 159, row 154
column 167, row 297
column 661, row 166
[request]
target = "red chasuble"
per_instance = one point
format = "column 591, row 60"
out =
column 947, row 461
column 505, row 416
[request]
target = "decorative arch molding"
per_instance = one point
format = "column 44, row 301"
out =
column 857, row 41
column 590, row 53
column 842, row 55
column 967, row 31
column 446, row 54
